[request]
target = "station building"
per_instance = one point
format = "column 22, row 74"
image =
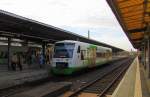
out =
column 32, row 40
column 28, row 38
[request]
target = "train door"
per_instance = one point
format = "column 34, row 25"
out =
column 83, row 57
column 77, row 60
column 81, row 53
column 108, row 54
column 91, row 57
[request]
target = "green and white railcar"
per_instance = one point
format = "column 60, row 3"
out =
column 71, row 56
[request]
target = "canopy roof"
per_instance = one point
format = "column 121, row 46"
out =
column 12, row 25
column 134, row 17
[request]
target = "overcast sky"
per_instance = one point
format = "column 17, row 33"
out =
column 77, row 16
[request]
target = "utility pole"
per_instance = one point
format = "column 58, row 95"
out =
column 88, row 34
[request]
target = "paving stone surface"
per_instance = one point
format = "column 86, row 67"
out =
column 48, row 90
column 12, row 78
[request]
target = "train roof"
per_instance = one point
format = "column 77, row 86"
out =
column 72, row 41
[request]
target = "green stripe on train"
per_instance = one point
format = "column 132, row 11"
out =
column 71, row 70
column 92, row 46
column 66, row 71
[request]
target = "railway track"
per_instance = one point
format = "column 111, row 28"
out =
column 80, row 83
column 8, row 92
column 94, row 86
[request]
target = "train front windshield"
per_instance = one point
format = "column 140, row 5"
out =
column 64, row 50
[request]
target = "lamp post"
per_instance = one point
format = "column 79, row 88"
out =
column 88, row 34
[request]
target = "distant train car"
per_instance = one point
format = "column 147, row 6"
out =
column 72, row 56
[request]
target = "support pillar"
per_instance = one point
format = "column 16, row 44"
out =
column 148, row 49
column 144, row 60
column 143, row 57
column 25, row 43
column 43, row 52
column 149, row 56
column 9, row 53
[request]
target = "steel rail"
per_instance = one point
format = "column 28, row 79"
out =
column 77, row 92
column 113, row 81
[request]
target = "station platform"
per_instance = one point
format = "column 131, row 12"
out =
column 12, row 78
column 48, row 90
column 134, row 83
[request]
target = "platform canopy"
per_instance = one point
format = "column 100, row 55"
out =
column 134, row 17
column 12, row 25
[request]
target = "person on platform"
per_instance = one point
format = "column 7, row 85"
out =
column 14, row 61
column 41, row 60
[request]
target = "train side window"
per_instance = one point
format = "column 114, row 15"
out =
column 78, row 51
